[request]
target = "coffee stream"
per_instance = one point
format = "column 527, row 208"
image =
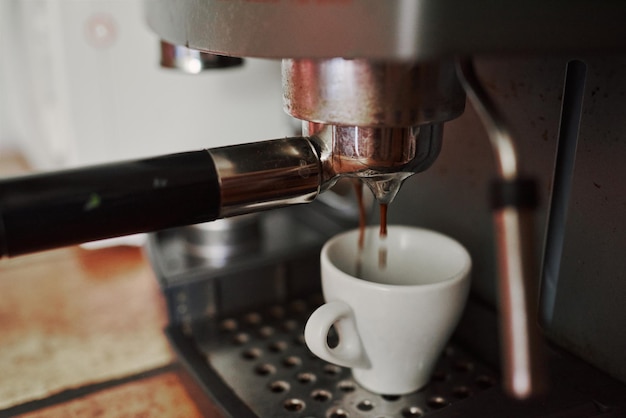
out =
column 382, row 251
column 358, row 189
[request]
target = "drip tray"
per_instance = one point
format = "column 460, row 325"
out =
column 262, row 357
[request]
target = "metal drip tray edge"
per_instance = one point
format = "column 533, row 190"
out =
column 256, row 364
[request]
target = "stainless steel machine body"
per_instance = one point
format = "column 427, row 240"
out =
column 393, row 30
column 335, row 55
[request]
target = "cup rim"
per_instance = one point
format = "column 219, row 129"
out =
column 450, row 281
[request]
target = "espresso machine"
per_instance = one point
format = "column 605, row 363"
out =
column 509, row 112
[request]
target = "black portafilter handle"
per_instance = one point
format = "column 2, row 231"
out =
column 50, row 210
column 44, row 211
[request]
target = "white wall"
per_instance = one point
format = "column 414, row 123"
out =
column 72, row 98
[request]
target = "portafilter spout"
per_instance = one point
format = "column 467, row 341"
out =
column 381, row 121
column 381, row 157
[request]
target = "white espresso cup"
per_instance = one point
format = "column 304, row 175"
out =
column 392, row 321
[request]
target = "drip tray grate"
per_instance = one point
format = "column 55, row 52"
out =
column 262, row 356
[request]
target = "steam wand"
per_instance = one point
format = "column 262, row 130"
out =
column 514, row 199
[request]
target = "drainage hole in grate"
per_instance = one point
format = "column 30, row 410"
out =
column 365, row 405
column 331, row 370
column 294, row 405
column 278, row 346
column 252, row 354
column 437, row 402
column 485, row 382
column 265, row 369
column 321, row 395
column 306, row 378
column 346, row 386
column 266, row 332
column 461, row 392
column 289, row 325
column 391, row 398
column 241, row 338
column 292, row 361
column 412, row 412
column 228, row 325
column 277, row 312
column 279, row 386
column 298, row 306
column 253, row 318
column 338, row 413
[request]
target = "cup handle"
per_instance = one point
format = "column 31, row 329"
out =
column 349, row 352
